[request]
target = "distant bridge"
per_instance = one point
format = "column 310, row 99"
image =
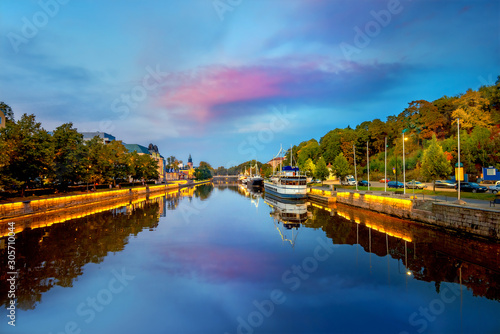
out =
column 226, row 177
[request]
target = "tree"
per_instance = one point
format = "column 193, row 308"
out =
column 27, row 153
column 120, row 161
column 202, row 173
column 309, row 167
column 341, row 167
column 95, row 162
column 143, row 167
column 321, row 172
column 309, row 150
column 473, row 111
column 7, row 111
column 434, row 163
column 69, row 152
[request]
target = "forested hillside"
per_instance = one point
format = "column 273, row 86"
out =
column 479, row 114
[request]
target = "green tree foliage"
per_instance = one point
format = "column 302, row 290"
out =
column 308, row 151
column 330, row 145
column 69, row 152
column 206, row 165
column 322, row 171
column 266, row 170
column 309, row 167
column 202, row 173
column 341, row 167
column 27, row 153
column 434, row 163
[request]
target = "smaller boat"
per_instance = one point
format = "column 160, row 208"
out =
column 255, row 180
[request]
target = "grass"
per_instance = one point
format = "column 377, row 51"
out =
column 481, row 196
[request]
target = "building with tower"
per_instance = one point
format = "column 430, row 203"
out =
column 190, row 161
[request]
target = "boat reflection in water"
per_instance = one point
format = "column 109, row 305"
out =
column 289, row 214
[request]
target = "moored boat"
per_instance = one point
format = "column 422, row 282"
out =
column 288, row 182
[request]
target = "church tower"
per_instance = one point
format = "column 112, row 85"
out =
column 190, row 161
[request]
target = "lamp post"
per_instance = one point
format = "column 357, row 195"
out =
column 404, row 167
column 385, row 162
column 368, row 164
column 355, row 170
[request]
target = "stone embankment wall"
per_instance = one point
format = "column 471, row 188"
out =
column 482, row 222
column 463, row 219
column 16, row 209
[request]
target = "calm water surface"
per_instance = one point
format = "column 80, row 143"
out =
column 220, row 260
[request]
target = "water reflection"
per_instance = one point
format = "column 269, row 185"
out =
column 53, row 249
column 426, row 254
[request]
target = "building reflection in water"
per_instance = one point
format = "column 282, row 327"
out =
column 50, row 252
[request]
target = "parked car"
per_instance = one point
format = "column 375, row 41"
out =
column 395, row 184
column 348, row 181
column 445, row 184
column 415, row 185
column 364, row 183
column 471, row 187
column 385, row 180
column 494, row 189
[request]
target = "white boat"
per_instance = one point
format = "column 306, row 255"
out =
column 288, row 183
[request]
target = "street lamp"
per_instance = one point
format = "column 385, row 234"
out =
column 355, row 170
column 385, row 160
column 404, row 167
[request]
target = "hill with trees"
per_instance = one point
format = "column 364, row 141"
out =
column 479, row 113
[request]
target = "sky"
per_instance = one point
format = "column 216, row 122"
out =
column 232, row 80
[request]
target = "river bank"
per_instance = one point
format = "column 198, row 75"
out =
column 476, row 219
column 37, row 206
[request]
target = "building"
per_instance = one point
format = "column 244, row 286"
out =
column 187, row 172
column 153, row 151
column 275, row 162
column 2, row 119
column 106, row 137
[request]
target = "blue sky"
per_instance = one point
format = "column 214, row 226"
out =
column 232, row 80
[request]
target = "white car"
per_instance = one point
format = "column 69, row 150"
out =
column 496, row 188
column 415, row 185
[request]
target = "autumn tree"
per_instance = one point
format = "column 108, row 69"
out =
column 27, row 153
column 434, row 163
column 69, row 152
column 473, row 111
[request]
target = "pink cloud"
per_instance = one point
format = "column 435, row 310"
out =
column 220, row 85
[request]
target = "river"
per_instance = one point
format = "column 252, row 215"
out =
column 219, row 259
